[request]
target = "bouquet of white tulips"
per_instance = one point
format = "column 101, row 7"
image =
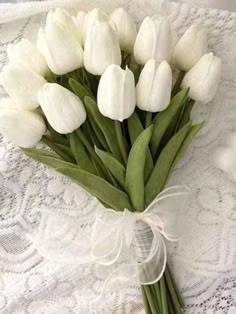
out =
column 99, row 92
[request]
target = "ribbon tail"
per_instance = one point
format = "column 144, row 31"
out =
column 122, row 277
column 58, row 239
column 152, row 269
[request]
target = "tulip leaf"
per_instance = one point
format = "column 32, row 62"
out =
column 113, row 165
column 98, row 187
column 134, row 179
column 80, row 154
column 79, row 89
column 57, row 137
column 135, row 129
column 187, row 141
column 90, row 135
column 110, row 196
column 186, row 114
column 164, row 164
column 106, row 126
column 99, row 135
column 48, row 158
column 165, row 118
column 63, row 151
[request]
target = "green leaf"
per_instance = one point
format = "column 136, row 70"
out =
column 187, row 141
column 100, row 188
column 186, row 114
column 90, row 135
column 106, row 126
column 164, row 164
column 57, row 137
column 113, row 165
column 165, row 118
column 79, row 89
column 136, row 69
column 135, row 129
column 134, row 180
column 48, row 158
column 80, row 154
column 63, row 151
column 99, row 135
column 105, row 192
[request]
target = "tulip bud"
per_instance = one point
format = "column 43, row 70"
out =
column 96, row 15
column 101, row 48
column 22, row 85
column 79, row 21
column 125, row 28
column 203, row 78
column 59, row 42
column 116, row 93
column 64, row 110
column 23, row 127
column 28, row 55
column 154, row 86
column 190, row 48
column 154, row 40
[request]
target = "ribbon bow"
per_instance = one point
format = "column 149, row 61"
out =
column 132, row 241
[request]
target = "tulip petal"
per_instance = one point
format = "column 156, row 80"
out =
column 22, row 85
column 101, row 48
column 190, row 48
column 116, row 93
column 64, row 110
column 26, row 54
column 154, row 86
column 24, row 128
column 203, row 79
column 125, row 28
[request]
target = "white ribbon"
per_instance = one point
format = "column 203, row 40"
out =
column 132, row 241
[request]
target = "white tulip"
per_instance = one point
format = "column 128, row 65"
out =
column 59, row 42
column 79, row 21
column 23, row 127
column 116, row 93
column 125, row 28
column 203, row 78
column 24, row 52
column 154, row 40
column 101, row 48
column 154, row 86
column 64, row 110
column 22, row 85
column 96, row 15
column 190, row 48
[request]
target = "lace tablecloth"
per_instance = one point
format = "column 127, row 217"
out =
column 204, row 262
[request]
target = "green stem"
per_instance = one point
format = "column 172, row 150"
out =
column 150, row 299
column 145, row 301
column 169, row 301
column 51, row 77
column 172, row 292
column 121, row 141
column 164, row 296
column 181, row 302
column 148, row 119
column 177, row 83
column 94, row 156
column 158, row 295
column 57, row 150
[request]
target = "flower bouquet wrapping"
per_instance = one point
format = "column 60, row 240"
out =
column 101, row 95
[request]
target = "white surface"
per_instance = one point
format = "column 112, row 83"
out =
column 220, row 4
column 203, row 262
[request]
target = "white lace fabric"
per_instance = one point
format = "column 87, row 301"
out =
column 204, row 262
